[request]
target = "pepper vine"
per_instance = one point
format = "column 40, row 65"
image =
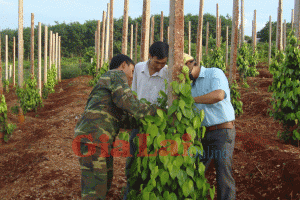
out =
column 5, row 128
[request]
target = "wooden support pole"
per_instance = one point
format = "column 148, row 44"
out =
column 162, row 26
column 217, row 25
column 242, row 22
column 279, row 24
column 296, row 17
column 53, row 48
column 270, row 40
column 107, row 33
column 56, row 55
column 284, row 35
column 145, row 30
column 20, row 50
column 220, row 32
column 1, row 85
column 45, row 54
column 39, row 77
column 207, row 38
column 297, row 26
column 59, row 57
column 98, row 44
column 189, row 38
column 10, row 71
column 96, row 41
column 102, row 39
column 111, row 30
column 199, row 35
column 226, row 56
column 234, row 38
column 14, row 61
column 125, row 27
column 254, row 33
column 176, row 43
column 152, row 30
column 168, row 32
column 292, row 19
column 136, row 42
column 50, row 49
column 131, row 41
column 32, row 47
column 240, row 37
column 6, row 60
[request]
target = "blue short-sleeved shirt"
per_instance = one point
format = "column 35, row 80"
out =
column 211, row 79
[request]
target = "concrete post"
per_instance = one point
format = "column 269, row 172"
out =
column 96, row 41
column 254, row 34
column 145, row 31
column 270, row 40
column 102, row 39
column 53, row 48
column 168, row 34
column 59, row 57
column 189, row 38
column 207, row 38
column 125, row 27
column 220, row 31
column 131, row 41
column 10, row 71
column 152, row 30
column 45, row 54
column 199, row 37
column 284, row 35
column 1, row 85
column 32, row 47
column 162, row 26
column 107, row 33
column 56, row 55
column 292, row 19
column 39, row 77
column 176, row 43
column 279, row 24
column 111, row 30
column 234, row 35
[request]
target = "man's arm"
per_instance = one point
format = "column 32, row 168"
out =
column 211, row 98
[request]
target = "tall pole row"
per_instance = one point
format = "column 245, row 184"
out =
column 162, row 26
column 125, row 27
column 145, row 30
column 176, row 43
column 233, row 52
column 39, row 78
column 102, row 39
column 111, row 30
column 199, row 35
column 270, row 40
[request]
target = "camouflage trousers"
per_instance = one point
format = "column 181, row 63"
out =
column 96, row 174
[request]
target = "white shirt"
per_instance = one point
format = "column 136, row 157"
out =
column 147, row 86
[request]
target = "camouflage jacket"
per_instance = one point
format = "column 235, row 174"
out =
column 108, row 102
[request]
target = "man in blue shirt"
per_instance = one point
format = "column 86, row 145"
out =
column 211, row 93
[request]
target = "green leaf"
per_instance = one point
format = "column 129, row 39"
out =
column 179, row 115
column 196, row 122
column 166, row 195
column 190, row 171
column 202, row 115
column 160, row 113
column 172, row 196
column 187, row 187
column 146, row 195
column 212, row 192
column 191, row 131
column 164, row 177
column 181, row 104
column 172, row 109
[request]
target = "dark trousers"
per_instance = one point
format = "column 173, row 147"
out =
column 219, row 145
column 129, row 161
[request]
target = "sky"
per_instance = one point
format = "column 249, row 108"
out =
column 49, row 11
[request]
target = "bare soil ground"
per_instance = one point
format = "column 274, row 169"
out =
column 38, row 161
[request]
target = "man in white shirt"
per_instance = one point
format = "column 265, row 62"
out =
column 148, row 80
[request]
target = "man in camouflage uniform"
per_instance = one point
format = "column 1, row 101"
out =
column 100, row 123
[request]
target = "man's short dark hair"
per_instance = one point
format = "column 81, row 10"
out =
column 117, row 60
column 159, row 49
